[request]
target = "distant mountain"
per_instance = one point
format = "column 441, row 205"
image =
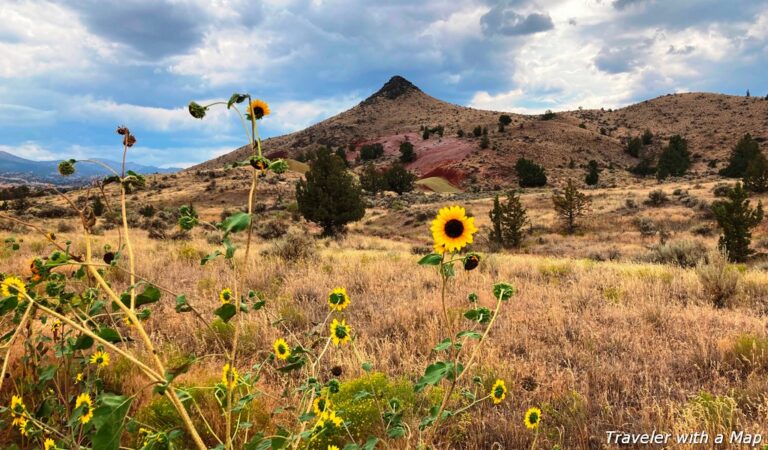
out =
column 17, row 170
column 564, row 144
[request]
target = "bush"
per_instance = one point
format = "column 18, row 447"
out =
column 296, row 245
column 371, row 151
column 645, row 226
column 719, row 279
column 398, row 179
column 634, row 146
column 328, row 194
column 683, row 253
column 647, row 137
column 643, row 168
column 593, row 173
column 507, row 221
column 721, row 189
column 656, row 198
column 477, row 131
column 530, row 174
column 570, row 205
column 548, row 115
column 406, row 152
column 756, row 176
column 746, row 150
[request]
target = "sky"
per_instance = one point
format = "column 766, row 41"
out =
column 71, row 71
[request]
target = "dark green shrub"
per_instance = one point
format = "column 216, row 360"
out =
column 737, row 218
column 371, row 151
column 675, row 160
column 530, row 174
column 406, row 152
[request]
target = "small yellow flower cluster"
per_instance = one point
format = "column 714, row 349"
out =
column 229, row 376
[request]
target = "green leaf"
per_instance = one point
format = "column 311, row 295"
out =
column 226, row 311
column 470, row 334
column 151, row 294
column 47, row 373
column 503, row 291
column 8, row 304
column 109, row 419
column 235, row 223
column 236, row 98
column 109, row 334
column 181, row 368
column 445, row 344
column 367, row 366
column 181, row 304
column 433, row 375
column 449, row 271
column 258, row 305
column 210, row 257
column 479, row 315
column 83, row 342
column 433, row 259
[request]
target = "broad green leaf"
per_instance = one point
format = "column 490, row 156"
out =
column 433, row 259
column 83, row 342
column 235, row 223
column 433, row 375
column 503, row 291
column 182, row 305
column 445, row 344
column 109, row 419
column 226, row 311
column 479, row 315
column 109, row 334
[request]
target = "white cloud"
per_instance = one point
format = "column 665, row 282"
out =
column 29, row 150
column 295, row 115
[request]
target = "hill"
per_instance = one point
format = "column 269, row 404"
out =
column 17, row 170
column 399, row 111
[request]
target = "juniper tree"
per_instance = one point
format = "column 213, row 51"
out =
column 593, row 173
column 508, row 221
column 529, row 173
column 756, row 176
column 741, row 155
column 570, row 205
column 328, row 194
column 675, row 159
column 633, row 147
column 737, row 219
column 406, row 152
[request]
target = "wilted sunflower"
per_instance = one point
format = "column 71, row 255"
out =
column 471, row 261
column 498, row 392
column 229, row 376
column 338, row 299
column 452, row 230
column 12, row 287
column 258, row 109
column 320, row 405
column 49, row 444
column 340, row 332
column 84, row 400
column 100, row 358
column 282, row 350
column 225, row 295
column 532, row 418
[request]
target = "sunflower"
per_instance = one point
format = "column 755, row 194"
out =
column 471, row 261
column 338, row 299
column 452, row 230
column 225, row 295
column 229, row 376
column 84, row 400
column 340, row 332
column 282, row 350
column 12, row 286
column 320, row 405
column 17, row 406
column 79, row 377
column 22, row 424
column 330, row 417
column 532, row 418
column 49, row 444
column 258, row 109
column 498, row 392
column 333, row 447
column 100, row 358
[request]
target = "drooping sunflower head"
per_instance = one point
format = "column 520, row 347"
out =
column 340, row 332
column 498, row 392
column 12, row 287
column 471, row 261
column 320, row 405
column 338, row 299
column 452, row 230
column 532, row 418
column 84, row 401
column 100, row 359
column 49, row 444
column 225, row 295
column 282, row 350
column 258, row 109
column 229, row 376
column 17, row 405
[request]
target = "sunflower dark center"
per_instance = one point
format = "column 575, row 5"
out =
column 258, row 111
column 281, row 349
column 341, row 332
column 454, row 228
column 534, row 418
column 499, row 392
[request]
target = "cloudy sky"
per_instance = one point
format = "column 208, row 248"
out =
column 72, row 70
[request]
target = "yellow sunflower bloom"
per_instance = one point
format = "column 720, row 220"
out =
column 333, row 447
column 320, row 405
column 532, row 418
column 330, row 416
column 49, row 444
column 452, row 230
column 258, row 109
column 22, row 424
column 229, row 376
column 338, row 299
column 84, row 401
column 282, row 350
column 12, row 287
column 100, row 358
column 225, row 295
column 17, row 405
column 340, row 332
column 498, row 392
